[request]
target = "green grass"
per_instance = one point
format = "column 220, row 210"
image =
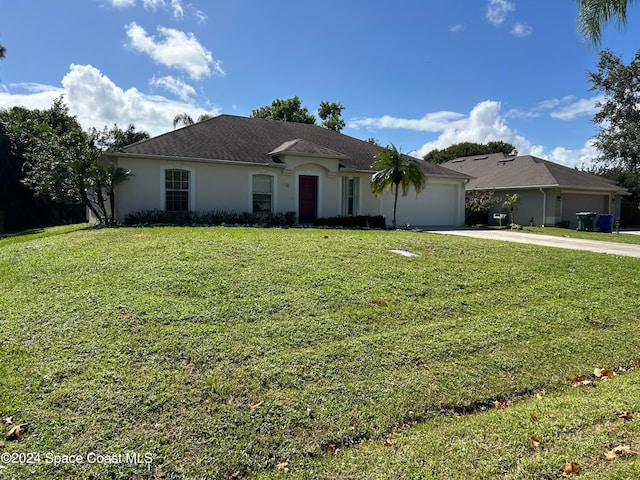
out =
column 600, row 236
column 224, row 352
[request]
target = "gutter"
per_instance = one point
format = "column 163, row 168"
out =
column 190, row 159
column 544, row 205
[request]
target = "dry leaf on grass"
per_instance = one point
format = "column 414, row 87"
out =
column 603, row 372
column 256, row 405
column 626, row 415
column 17, row 431
column 331, row 449
column 620, row 451
column 571, row 468
column 283, row 466
column 7, row 420
column 535, row 441
column 390, row 442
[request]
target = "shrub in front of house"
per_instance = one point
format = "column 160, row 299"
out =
column 377, row 222
column 212, row 217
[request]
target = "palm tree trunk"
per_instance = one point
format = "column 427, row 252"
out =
column 395, row 206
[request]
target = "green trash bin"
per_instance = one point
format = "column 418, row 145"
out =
column 586, row 220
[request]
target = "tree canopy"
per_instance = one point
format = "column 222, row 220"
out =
column 184, row 119
column 618, row 118
column 289, row 110
column 593, row 15
column 466, row 149
column 331, row 115
column 60, row 165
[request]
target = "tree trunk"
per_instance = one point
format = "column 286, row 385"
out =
column 395, row 206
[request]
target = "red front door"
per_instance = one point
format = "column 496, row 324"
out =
column 307, row 198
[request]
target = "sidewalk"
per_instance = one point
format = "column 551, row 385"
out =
column 597, row 246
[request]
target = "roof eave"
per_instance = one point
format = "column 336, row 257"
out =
column 191, row 159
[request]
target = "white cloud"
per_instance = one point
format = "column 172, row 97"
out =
column 97, row 101
column 521, row 30
column 29, row 95
column 175, row 49
column 179, row 88
column 122, row 3
column 431, row 122
column 497, row 11
column 579, row 108
column 455, row 28
column 483, row 124
column 176, row 7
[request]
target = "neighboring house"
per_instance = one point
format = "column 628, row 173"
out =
column 550, row 194
column 245, row 164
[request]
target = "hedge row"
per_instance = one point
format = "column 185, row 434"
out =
column 377, row 222
column 214, row 217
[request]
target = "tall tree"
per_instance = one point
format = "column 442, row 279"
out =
column 289, row 110
column 184, row 119
column 115, row 138
column 466, row 149
column 395, row 171
column 3, row 51
column 19, row 128
column 331, row 115
column 64, row 164
column 618, row 118
column 593, row 15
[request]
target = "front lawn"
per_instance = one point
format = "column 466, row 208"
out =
column 233, row 352
column 600, row 236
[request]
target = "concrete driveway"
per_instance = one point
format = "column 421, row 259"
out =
column 598, row 246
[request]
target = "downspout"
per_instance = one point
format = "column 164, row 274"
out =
column 544, row 205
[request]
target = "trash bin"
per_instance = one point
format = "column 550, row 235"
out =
column 605, row 223
column 585, row 220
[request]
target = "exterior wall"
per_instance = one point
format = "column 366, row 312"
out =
column 552, row 206
column 221, row 186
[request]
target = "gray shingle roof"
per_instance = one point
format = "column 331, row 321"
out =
column 500, row 171
column 255, row 140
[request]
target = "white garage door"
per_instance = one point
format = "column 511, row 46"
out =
column 437, row 204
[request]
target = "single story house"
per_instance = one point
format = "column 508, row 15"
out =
column 242, row 164
column 550, row 194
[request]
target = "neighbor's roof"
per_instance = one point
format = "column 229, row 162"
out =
column 255, row 140
column 501, row 171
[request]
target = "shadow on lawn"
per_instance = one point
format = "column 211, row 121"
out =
column 25, row 235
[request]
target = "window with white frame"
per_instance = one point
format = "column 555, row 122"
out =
column 176, row 188
column 350, row 194
column 262, row 193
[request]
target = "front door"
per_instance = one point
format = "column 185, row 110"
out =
column 307, row 198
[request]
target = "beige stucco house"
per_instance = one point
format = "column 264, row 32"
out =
column 550, row 193
column 245, row 164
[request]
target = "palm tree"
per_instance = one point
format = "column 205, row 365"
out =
column 594, row 14
column 511, row 202
column 395, row 169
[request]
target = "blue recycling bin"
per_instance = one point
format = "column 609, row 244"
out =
column 605, row 223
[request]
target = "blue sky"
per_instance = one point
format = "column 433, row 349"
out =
column 416, row 73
